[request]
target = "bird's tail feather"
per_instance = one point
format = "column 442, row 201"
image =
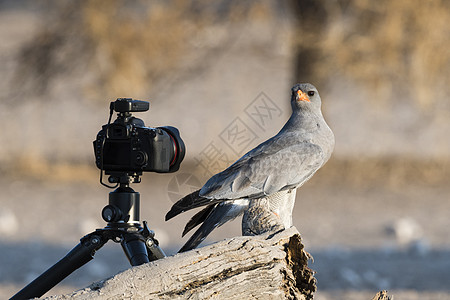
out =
column 198, row 218
column 188, row 202
column 214, row 218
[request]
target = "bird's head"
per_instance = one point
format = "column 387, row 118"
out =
column 305, row 96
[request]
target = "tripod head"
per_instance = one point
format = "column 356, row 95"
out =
column 124, row 178
column 123, row 208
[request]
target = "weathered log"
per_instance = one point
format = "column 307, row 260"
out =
column 382, row 295
column 248, row 267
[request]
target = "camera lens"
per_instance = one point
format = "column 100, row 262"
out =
column 179, row 149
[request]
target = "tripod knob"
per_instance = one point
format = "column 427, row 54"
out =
column 111, row 213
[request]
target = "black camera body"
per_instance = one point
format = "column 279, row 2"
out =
column 127, row 146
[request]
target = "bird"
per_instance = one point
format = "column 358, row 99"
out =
column 262, row 184
column 269, row 214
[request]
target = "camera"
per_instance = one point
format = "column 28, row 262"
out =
column 127, row 146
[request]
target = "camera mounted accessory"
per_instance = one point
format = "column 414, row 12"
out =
column 123, row 150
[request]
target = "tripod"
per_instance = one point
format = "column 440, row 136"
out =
column 122, row 215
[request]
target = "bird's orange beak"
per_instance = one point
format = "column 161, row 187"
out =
column 302, row 96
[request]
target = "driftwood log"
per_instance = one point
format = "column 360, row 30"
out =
column 248, row 267
column 382, row 295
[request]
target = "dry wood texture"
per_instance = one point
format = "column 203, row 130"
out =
column 248, row 267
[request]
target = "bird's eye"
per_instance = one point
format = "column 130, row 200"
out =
column 311, row 93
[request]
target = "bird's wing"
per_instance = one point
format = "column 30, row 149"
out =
column 277, row 164
column 219, row 215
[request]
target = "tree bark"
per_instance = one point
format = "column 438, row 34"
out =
column 382, row 295
column 271, row 266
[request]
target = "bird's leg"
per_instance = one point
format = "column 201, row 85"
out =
column 259, row 219
column 269, row 214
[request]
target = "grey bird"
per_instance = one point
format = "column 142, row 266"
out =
column 262, row 183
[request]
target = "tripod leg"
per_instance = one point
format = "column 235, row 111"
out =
column 77, row 257
column 154, row 251
column 134, row 247
column 141, row 247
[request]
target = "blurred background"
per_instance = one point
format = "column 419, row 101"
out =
column 375, row 217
